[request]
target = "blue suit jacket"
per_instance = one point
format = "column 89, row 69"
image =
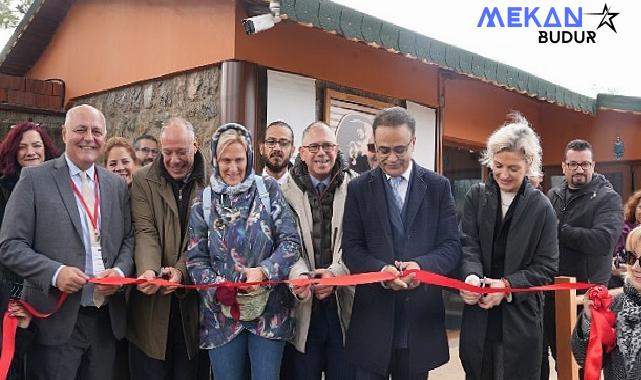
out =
column 432, row 241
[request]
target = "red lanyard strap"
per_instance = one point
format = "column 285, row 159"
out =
column 93, row 216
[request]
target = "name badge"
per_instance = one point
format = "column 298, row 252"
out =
column 96, row 259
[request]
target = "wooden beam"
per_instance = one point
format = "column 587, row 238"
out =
column 565, row 314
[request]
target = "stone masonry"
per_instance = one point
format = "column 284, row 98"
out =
column 143, row 108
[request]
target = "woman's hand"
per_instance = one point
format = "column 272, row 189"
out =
column 253, row 275
column 18, row 311
column 490, row 300
column 471, row 298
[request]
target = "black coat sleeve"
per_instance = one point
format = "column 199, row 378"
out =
column 599, row 240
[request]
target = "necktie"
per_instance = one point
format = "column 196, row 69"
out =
column 396, row 186
column 98, row 299
column 320, row 187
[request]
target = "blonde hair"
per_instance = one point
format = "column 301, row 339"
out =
column 633, row 239
column 515, row 136
column 230, row 136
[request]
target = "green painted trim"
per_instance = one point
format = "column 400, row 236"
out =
column 369, row 29
column 619, row 102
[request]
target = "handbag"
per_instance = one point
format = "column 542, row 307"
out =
column 240, row 305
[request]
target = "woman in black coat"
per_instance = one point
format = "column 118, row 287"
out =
column 509, row 240
column 26, row 144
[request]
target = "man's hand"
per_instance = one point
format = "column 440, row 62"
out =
column 303, row 292
column 172, row 275
column 490, row 300
column 323, row 291
column 396, row 283
column 71, row 279
column 18, row 311
column 107, row 290
column 148, row 288
column 410, row 279
column 471, row 298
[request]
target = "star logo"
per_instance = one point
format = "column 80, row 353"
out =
column 607, row 18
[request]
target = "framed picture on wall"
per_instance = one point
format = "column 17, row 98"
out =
column 351, row 116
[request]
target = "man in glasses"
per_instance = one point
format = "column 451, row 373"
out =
column 316, row 192
column 146, row 147
column 398, row 217
column 277, row 150
column 590, row 216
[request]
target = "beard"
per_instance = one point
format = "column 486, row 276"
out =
column 579, row 183
column 273, row 166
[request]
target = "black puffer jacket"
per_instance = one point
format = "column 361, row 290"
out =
column 590, row 222
column 322, row 207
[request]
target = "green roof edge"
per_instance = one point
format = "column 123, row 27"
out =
column 619, row 102
column 450, row 57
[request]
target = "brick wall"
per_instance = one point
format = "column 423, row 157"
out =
column 31, row 93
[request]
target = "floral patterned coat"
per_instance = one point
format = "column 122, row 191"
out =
column 251, row 236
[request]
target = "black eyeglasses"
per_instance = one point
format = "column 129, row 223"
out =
column 631, row 258
column 283, row 143
column 399, row 150
column 371, row 148
column 585, row 165
column 326, row 147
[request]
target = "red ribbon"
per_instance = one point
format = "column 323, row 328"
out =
column 602, row 333
column 225, row 289
column 226, row 295
column 10, row 326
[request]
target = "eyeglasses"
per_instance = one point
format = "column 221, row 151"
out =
column 371, row 148
column 631, row 258
column 399, row 150
column 148, row 150
column 585, row 165
column 283, row 143
column 327, row 147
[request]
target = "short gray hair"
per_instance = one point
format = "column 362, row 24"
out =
column 75, row 109
column 316, row 124
column 515, row 136
column 178, row 121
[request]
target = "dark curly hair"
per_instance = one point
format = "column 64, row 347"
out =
column 630, row 208
column 9, row 165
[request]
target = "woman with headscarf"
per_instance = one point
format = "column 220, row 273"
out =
column 508, row 233
column 242, row 230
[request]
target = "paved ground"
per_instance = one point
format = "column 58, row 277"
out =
column 453, row 369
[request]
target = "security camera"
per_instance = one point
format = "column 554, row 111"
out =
column 259, row 23
column 265, row 21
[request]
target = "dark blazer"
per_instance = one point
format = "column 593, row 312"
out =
column 42, row 230
column 432, row 241
column 531, row 259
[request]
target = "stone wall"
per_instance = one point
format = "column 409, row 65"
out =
column 52, row 121
column 143, row 108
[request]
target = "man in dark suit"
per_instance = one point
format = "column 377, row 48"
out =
column 398, row 327
column 66, row 221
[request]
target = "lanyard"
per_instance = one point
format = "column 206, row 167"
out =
column 93, row 216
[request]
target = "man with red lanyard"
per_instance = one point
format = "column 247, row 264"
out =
column 70, row 220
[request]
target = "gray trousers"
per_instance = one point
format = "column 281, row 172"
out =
column 88, row 355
